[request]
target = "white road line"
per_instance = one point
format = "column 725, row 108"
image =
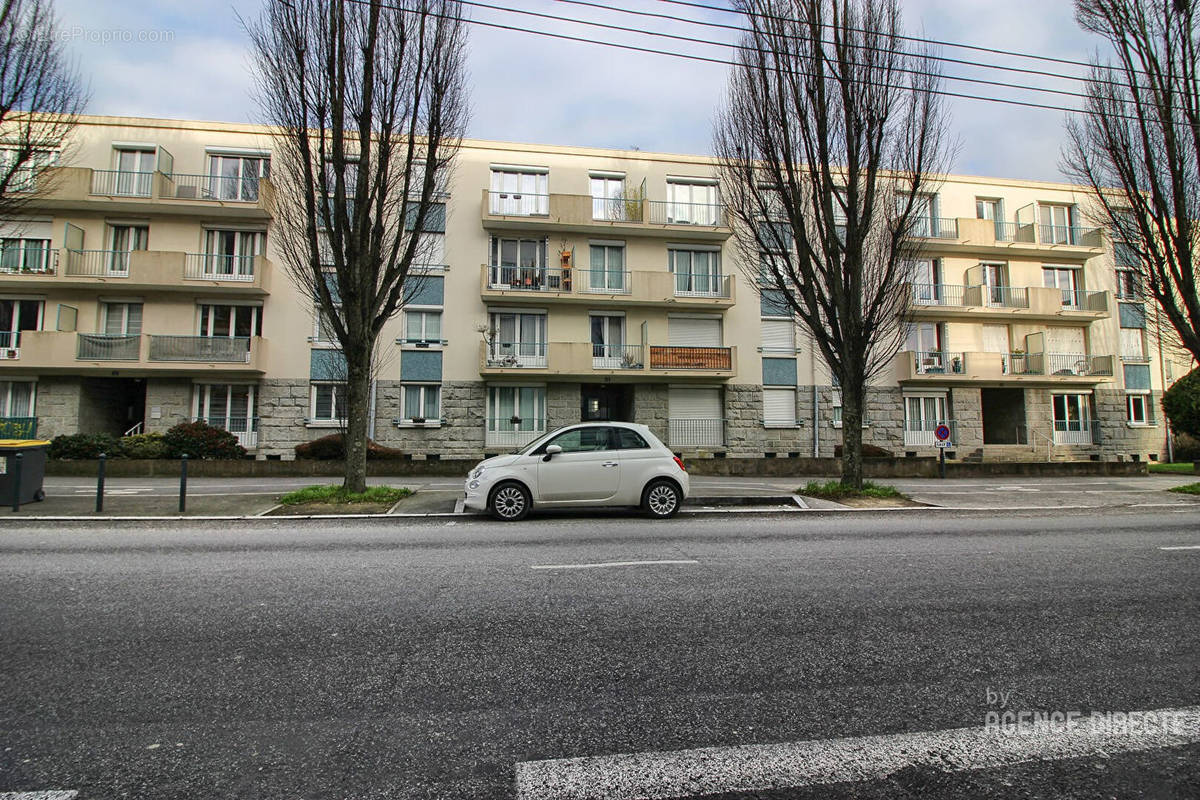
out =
column 716, row 770
column 611, row 564
column 1182, row 547
column 52, row 794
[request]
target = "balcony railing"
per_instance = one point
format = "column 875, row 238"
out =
column 705, row 358
column 122, row 183
column 939, row 362
column 9, row 340
column 513, row 433
column 218, row 267
column 1005, row 296
column 664, row 212
column 683, row 433
column 923, row 433
column 938, row 294
column 214, row 187
column 1021, row 364
column 98, row 263
column 220, row 349
column 518, row 204
column 28, row 261
column 530, row 279
column 108, row 347
column 936, row 228
column 517, row 354
column 694, row 284
column 244, row 428
column 1081, row 300
column 1077, row 431
column 617, row 209
column 18, row 427
column 1071, row 364
column 617, row 356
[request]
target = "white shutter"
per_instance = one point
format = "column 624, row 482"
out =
column 1065, row 340
column 778, row 336
column 779, row 406
column 995, row 338
column 694, row 404
column 1132, row 344
column 689, row 332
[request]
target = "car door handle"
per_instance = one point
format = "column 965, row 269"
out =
column 609, row 464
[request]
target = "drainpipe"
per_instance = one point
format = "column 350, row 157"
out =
column 816, row 428
column 1162, row 372
column 371, row 411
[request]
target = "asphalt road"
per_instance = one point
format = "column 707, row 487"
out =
column 377, row 660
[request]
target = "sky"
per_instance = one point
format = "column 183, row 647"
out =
column 189, row 59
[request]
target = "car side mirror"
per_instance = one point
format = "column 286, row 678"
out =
column 552, row 450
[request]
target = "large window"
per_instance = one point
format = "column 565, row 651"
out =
column 230, row 407
column 518, row 263
column 517, row 339
column 922, row 415
column 516, row 415
column 520, row 191
column 327, row 402
column 692, row 202
column 234, row 177
column 17, row 398
column 1065, row 279
column 608, row 198
column 608, row 341
column 231, row 253
column 229, row 320
column 17, row 316
column 123, row 240
column 697, row 272
column 25, row 255
column 421, row 402
column 607, row 268
column 122, row 319
column 1056, row 224
column 1072, row 418
column 134, row 171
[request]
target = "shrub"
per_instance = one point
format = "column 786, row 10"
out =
column 201, row 440
column 868, row 451
column 1181, row 403
column 332, row 448
column 1187, row 448
column 84, row 445
column 144, row 445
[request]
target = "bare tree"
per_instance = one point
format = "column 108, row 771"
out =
column 1137, row 147
column 369, row 104
column 831, row 138
column 41, row 97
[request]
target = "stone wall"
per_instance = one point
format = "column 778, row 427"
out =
column 173, row 398
column 651, row 407
column 461, row 435
column 57, row 405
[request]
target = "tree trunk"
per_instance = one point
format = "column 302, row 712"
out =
column 852, row 418
column 358, row 404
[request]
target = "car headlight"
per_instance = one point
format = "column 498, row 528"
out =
column 475, row 473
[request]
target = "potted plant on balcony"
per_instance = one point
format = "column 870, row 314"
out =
column 956, row 364
column 515, row 420
column 629, row 361
column 417, row 420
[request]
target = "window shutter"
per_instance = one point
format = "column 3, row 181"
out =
column 779, row 406
column 778, row 336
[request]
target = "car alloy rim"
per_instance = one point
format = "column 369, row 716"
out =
column 662, row 500
column 509, row 502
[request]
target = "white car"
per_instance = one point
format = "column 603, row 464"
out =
column 590, row 464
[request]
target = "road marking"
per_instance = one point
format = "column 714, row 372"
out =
column 51, row 794
column 1182, row 547
column 611, row 564
column 717, row 770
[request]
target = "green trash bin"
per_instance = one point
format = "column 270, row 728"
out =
column 33, row 470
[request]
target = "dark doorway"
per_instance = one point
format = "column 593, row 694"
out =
column 111, row 405
column 606, row 402
column 1003, row 415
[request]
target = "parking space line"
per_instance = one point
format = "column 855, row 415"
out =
column 1182, row 547
column 603, row 564
column 718, row 770
column 51, row 794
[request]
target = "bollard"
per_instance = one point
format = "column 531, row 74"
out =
column 17, row 482
column 942, row 462
column 100, row 484
column 183, row 483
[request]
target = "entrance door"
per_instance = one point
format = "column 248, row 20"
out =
column 1072, row 418
column 606, row 402
column 994, row 284
column 1003, row 416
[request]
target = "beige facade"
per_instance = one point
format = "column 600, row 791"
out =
column 142, row 288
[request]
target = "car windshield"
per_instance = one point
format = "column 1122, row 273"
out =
column 529, row 448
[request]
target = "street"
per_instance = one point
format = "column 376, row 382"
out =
column 436, row 659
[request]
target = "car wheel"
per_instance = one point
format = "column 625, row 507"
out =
column 660, row 499
column 510, row 502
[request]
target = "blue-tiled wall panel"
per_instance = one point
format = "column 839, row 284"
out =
column 327, row 365
column 421, row 365
column 1137, row 376
column 779, row 371
column 426, row 290
column 773, row 304
column 1133, row 315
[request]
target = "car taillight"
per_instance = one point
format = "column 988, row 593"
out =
column 679, row 461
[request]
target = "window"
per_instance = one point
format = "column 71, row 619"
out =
column 927, row 282
column 23, row 177
column 323, row 328
column 778, row 336
column 231, row 252
column 581, row 440
column 122, row 319
column 697, row 272
column 924, row 214
column 17, row 316
column 328, row 402
column 134, row 171
column 1072, row 418
column 988, row 208
column 515, row 414
column 1128, row 285
column 607, row 268
column 17, row 398
column 520, row 191
column 518, row 339
column 518, row 263
column 1133, row 344
column 630, row 440
column 230, row 407
column 779, row 407
column 123, row 240
column 922, row 415
column 995, row 282
column 431, row 250
column 229, row 320
column 421, row 402
column 1066, row 279
column 424, row 327
column 1056, row 224
column 608, row 198
column 835, row 405
column 692, row 202
column 28, row 255
column 233, row 177
column 1137, row 407
column 608, row 340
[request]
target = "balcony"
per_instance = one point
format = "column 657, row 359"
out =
column 623, row 288
column 136, row 354
column 618, row 363
column 142, row 193
column 1009, row 239
column 1046, row 369
column 513, row 433
column 582, row 213
column 945, row 301
column 1077, row 432
column 157, row 270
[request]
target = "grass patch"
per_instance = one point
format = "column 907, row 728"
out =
column 1187, row 488
column 835, row 490
column 337, row 496
column 1176, row 468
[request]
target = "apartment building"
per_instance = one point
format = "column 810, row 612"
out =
column 141, row 288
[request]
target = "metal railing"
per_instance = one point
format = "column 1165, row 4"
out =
column 599, row 281
column 1064, row 234
column 939, row 362
column 1077, row 431
column 696, row 432
column 222, row 349
column 244, row 428
column 18, row 260
column 1082, row 300
column 1073, row 364
column 1004, row 296
column 698, row 358
column 517, row 354
column 694, row 284
column 664, row 212
column 617, row 356
column 214, row 187
column 518, row 204
column 98, row 263
column 122, row 183
column 218, row 267
column 108, row 347
column 18, row 427
column 1005, row 231
column 938, row 294
column 509, row 434
column 9, row 340
column 923, row 433
column 529, row 279
column 1021, row 364
column 935, row 227
column 617, row 209
column 1032, row 437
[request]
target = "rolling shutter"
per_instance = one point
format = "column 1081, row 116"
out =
column 690, row 332
column 694, row 404
column 1065, row 340
column 778, row 336
column 779, row 406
